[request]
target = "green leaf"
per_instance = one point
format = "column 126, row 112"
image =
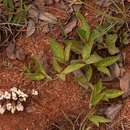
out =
column 98, row 87
column 72, row 67
column 89, row 72
column 108, row 61
column 35, row 76
column 83, row 25
column 112, row 93
column 96, row 95
column 5, row 2
column 95, row 119
column 38, row 72
column 95, row 99
column 86, row 51
column 61, row 76
column 104, row 70
column 67, row 52
column 56, row 66
column 20, row 14
column 94, row 58
column 110, row 43
column 9, row 4
column 99, row 32
column 82, row 81
column 20, row 17
column 76, row 46
column 57, row 51
column 39, row 68
column 10, row 17
column 82, row 34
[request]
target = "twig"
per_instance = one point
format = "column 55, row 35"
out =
column 15, row 24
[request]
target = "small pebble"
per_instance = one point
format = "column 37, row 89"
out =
column 34, row 92
column 8, row 106
column 14, row 96
column 13, row 109
column 14, row 89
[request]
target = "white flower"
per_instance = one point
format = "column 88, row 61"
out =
column 14, row 96
column 1, row 97
column 8, row 106
column 34, row 92
column 17, row 96
column 22, row 99
column 21, row 94
column 19, row 106
column 7, row 95
column 24, row 95
column 2, row 109
column 14, row 89
column 13, row 109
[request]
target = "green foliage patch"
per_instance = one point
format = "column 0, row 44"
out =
column 82, row 54
column 15, row 12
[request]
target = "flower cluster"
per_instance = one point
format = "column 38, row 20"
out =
column 13, row 99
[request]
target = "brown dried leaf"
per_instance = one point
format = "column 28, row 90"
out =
column 57, row 1
column 14, row 53
column 78, row 73
column 77, row 7
column 112, row 111
column 70, row 26
column 30, row 109
column 47, row 17
column 49, row 2
column 30, row 28
column 33, row 12
column 103, row 3
column 20, row 55
column 10, row 50
column 125, row 84
column 115, row 71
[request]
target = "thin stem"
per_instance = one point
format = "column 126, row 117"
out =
column 99, row 12
column 15, row 24
column 119, row 9
column 84, row 122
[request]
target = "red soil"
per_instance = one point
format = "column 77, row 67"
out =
column 54, row 97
